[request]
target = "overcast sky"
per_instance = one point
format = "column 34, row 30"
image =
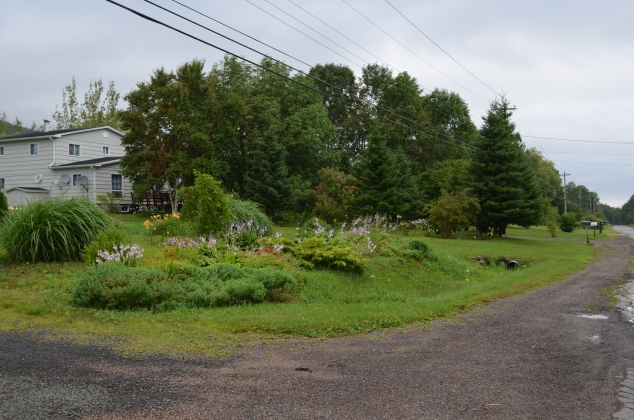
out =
column 566, row 65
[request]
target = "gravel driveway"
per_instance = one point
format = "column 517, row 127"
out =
column 531, row 357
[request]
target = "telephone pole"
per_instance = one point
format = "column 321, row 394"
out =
column 592, row 203
column 565, row 196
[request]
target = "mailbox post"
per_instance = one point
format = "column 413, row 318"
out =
column 594, row 228
column 587, row 224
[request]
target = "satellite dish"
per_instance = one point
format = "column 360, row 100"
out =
column 38, row 178
column 83, row 180
column 56, row 182
column 64, row 179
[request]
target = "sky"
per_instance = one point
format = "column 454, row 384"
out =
column 566, row 65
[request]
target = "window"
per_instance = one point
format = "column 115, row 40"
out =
column 1, row 183
column 106, row 150
column 76, row 179
column 74, row 150
column 1, row 150
column 34, row 149
column 125, row 208
column 117, row 185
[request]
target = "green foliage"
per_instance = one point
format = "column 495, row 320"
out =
column 503, row 179
column 205, row 204
column 419, row 250
column 114, row 286
column 93, row 112
column 452, row 212
column 110, row 202
column 568, row 222
column 114, row 235
column 318, row 252
column 552, row 228
column 243, row 211
column 53, row 230
column 449, row 175
column 334, row 194
column 4, row 205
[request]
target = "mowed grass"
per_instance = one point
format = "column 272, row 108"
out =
column 393, row 291
column 578, row 234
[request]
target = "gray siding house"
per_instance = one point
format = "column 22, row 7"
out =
column 82, row 162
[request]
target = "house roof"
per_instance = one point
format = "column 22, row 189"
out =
column 59, row 133
column 30, row 189
column 90, row 162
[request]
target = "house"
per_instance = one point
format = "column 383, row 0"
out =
column 78, row 162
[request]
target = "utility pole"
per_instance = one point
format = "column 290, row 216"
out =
column 565, row 196
column 579, row 200
column 592, row 203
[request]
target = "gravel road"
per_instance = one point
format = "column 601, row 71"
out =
column 531, row 357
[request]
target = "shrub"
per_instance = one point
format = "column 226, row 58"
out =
column 114, row 286
column 205, row 204
column 53, row 230
column 4, row 205
column 419, row 250
column 452, row 211
column 106, row 239
column 243, row 211
column 109, row 202
column 552, row 229
column 568, row 222
column 316, row 251
column 334, row 194
column 167, row 225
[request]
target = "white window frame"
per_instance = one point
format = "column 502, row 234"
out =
column 36, row 149
column 76, row 149
column 1, row 150
column 106, row 150
column 118, row 193
column 125, row 208
column 76, row 180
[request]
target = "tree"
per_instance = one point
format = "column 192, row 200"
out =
column 167, row 124
column 334, row 194
column 453, row 211
column 93, row 111
column 448, row 175
column 267, row 181
column 205, row 204
column 503, row 179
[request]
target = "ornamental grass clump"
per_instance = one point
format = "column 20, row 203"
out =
column 53, row 230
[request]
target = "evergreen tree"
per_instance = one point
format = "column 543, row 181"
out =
column 503, row 179
column 268, row 182
column 385, row 183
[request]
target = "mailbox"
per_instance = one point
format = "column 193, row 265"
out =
column 593, row 224
column 586, row 223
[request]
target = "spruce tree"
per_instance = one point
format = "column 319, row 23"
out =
column 268, row 182
column 503, row 179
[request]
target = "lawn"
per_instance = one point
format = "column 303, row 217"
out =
column 579, row 234
column 393, row 291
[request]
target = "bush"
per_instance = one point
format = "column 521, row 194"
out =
column 334, row 194
column 53, row 230
column 419, row 250
column 109, row 202
column 4, row 205
column 114, row 286
column 568, row 222
column 452, row 211
column 316, row 251
column 243, row 211
column 205, row 204
column 106, row 239
column 552, row 229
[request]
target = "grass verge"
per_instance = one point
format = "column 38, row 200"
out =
column 393, row 291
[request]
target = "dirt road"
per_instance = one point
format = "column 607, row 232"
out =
column 531, row 357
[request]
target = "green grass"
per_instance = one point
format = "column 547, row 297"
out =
column 393, row 291
column 542, row 232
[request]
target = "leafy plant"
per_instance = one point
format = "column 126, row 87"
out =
column 4, row 205
column 110, row 202
column 125, row 254
column 114, row 286
column 205, row 204
column 568, row 222
column 452, row 211
column 245, row 211
column 419, row 250
column 53, row 230
column 113, row 235
column 334, row 194
column 552, row 229
column 316, row 251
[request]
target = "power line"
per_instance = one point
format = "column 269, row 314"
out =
column 441, row 49
column 306, row 35
column 585, row 141
column 592, row 163
column 271, row 71
column 300, row 71
column 403, row 45
column 588, row 153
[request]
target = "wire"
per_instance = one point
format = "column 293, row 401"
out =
column 270, row 70
column 441, row 49
column 419, row 57
column 592, row 163
column 588, row 153
column 306, row 74
column 585, row 141
column 306, row 35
